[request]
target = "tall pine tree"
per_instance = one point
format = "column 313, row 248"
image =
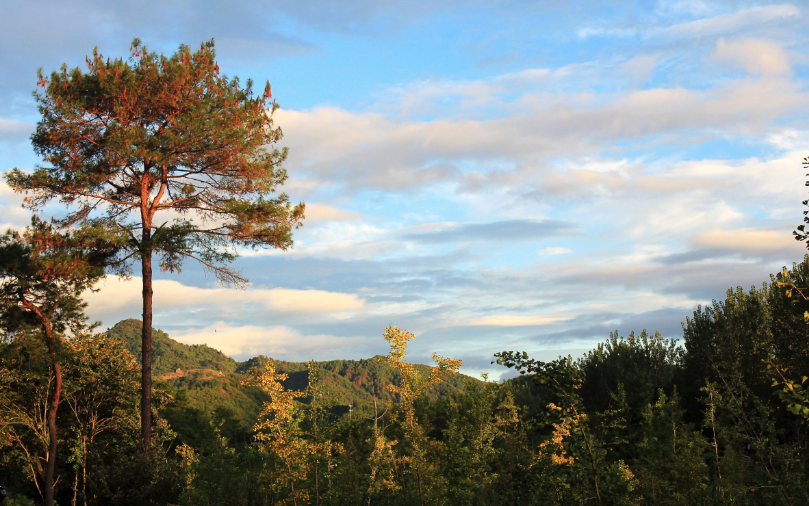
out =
column 168, row 153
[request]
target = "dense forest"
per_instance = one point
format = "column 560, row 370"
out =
column 164, row 160
column 641, row 419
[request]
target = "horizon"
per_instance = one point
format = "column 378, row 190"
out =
column 489, row 177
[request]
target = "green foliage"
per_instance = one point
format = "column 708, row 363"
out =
column 753, row 461
column 228, row 478
column 44, row 272
column 529, row 441
column 642, row 364
column 100, row 460
column 795, row 396
column 356, row 383
column 671, row 465
column 203, row 379
column 572, row 461
column 167, row 354
column 19, row 500
column 792, row 392
column 749, row 330
column 25, row 383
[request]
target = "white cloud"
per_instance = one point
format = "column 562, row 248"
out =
column 513, row 320
column 280, row 342
column 13, row 214
column 367, row 150
column 14, row 129
column 319, row 212
column 284, row 300
column 755, row 56
column 610, row 31
column 118, row 295
column 790, row 139
column 554, row 251
column 733, row 22
column 746, row 239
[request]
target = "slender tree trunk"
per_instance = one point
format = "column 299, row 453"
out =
column 50, row 467
column 76, row 488
column 84, row 471
column 146, row 344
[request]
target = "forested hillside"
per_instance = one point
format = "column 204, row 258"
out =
column 169, row 355
column 206, row 379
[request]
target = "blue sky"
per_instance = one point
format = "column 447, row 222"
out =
column 489, row 175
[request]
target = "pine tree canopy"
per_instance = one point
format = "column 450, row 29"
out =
column 130, row 138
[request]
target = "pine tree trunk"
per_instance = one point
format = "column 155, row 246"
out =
column 50, row 467
column 146, row 345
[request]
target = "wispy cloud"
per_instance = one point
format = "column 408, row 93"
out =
column 512, row 230
column 14, row 130
column 555, row 250
column 515, row 320
column 733, row 22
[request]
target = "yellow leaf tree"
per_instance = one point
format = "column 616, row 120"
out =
column 413, row 385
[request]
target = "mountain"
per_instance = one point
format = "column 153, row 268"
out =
column 167, row 354
column 204, row 378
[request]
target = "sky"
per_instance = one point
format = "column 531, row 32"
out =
column 499, row 175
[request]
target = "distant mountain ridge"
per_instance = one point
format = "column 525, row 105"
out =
column 210, row 379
